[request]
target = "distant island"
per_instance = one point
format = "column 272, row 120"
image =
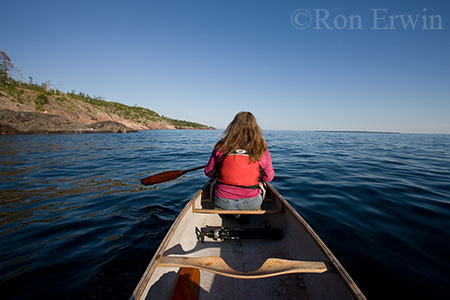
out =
column 358, row 131
column 32, row 108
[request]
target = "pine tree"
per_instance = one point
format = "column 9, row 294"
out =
column 5, row 67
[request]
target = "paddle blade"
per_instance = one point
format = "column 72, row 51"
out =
column 187, row 285
column 161, row 177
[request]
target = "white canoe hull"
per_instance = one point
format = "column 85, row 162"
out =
column 300, row 243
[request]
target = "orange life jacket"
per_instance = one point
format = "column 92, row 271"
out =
column 237, row 170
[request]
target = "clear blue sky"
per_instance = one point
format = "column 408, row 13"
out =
column 206, row 60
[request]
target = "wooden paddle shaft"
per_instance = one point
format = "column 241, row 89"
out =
column 166, row 176
column 194, row 169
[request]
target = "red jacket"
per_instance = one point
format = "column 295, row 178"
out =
column 236, row 169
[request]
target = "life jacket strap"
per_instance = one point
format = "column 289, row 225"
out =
column 254, row 187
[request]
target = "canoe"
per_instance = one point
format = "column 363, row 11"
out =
column 274, row 254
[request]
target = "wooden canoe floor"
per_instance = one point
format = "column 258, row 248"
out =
column 245, row 256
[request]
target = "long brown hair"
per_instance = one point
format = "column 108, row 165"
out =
column 243, row 133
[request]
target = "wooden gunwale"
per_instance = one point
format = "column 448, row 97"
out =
column 333, row 260
column 143, row 282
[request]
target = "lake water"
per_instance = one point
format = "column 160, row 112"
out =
column 75, row 223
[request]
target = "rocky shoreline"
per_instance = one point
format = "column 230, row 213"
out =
column 30, row 109
column 23, row 122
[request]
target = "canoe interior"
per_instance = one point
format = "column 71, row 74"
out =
column 299, row 243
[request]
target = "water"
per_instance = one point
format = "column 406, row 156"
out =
column 76, row 224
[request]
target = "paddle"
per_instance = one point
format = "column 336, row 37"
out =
column 187, row 285
column 166, row 176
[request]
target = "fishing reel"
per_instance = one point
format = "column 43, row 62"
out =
column 220, row 233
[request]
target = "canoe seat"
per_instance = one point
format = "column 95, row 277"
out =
column 206, row 206
column 271, row 267
column 237, row 212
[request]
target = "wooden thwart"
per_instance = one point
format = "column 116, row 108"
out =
column 271, row 267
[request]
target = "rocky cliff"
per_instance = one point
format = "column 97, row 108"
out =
column 29, row 108
column 12, row 122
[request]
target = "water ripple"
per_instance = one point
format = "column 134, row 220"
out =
column 82, row 226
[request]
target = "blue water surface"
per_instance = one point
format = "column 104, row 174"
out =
column 75, row 223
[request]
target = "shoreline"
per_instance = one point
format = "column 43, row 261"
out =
column 29, row 123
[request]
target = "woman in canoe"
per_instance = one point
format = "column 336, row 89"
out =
column 241, row 162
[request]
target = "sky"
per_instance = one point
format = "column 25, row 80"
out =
column 297, row 65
